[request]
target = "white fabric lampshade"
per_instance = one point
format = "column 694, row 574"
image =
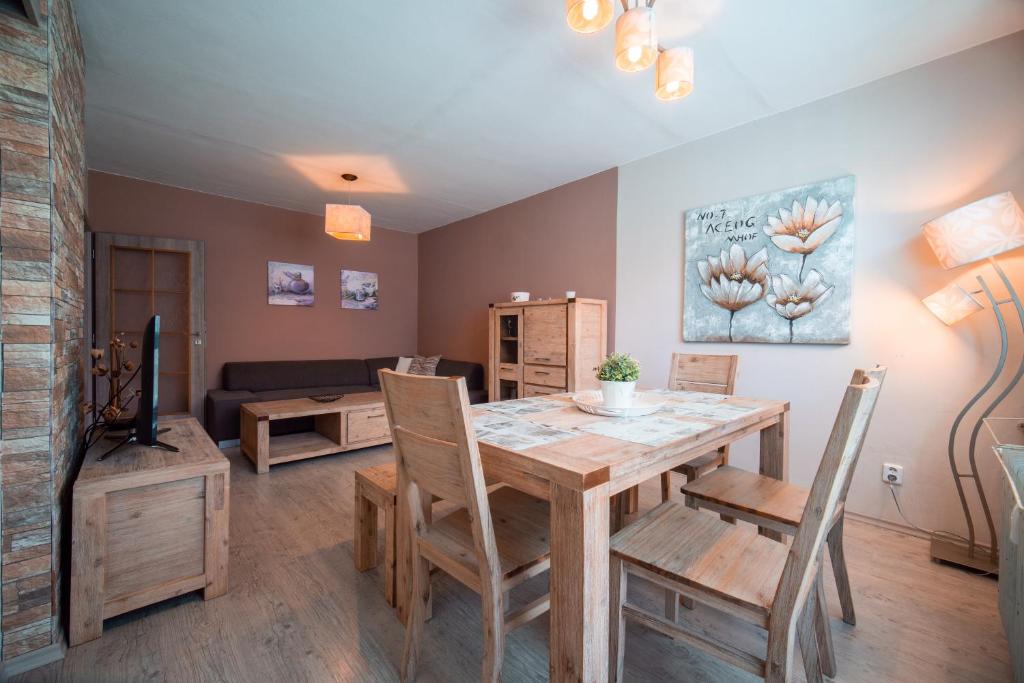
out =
column 347, row 222
column 984, row 228
column 636, row 43
column 675, row 74
column 952, row 304
column 588, row 16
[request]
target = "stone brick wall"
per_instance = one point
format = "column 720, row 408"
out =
column 41, row 301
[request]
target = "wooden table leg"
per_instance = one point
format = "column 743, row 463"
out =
column 775, row 458
column 218, row 495
column 263, row 446
column 579, row 584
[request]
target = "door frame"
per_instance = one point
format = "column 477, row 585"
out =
column 102, row 242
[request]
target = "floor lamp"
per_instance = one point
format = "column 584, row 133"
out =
column 979, row 231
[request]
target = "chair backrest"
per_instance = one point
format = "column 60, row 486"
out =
column 436, row 453
column 700, row 372
column 830, row 486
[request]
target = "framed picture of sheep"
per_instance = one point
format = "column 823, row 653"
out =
column 775, row 268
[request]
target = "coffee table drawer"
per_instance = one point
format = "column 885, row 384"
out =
column 367, row 425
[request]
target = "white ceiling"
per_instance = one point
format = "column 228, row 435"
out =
column 447, row 109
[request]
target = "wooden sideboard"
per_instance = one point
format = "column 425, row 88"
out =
column 545, row 347
column 147, row 525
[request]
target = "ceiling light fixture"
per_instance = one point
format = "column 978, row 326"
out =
column 347, row 221
column 588, row 16
column 636, row 43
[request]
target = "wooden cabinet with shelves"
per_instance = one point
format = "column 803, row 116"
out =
column 545, row 347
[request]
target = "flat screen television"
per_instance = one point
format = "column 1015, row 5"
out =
column 144, row 429
column 149, row 368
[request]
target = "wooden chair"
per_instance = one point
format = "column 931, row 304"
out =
column 735, row 570
column 710, row 374
column 776, row 505
column 375, row 490
column 492, row 544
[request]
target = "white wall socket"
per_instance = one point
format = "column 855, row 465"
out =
column 892, row 474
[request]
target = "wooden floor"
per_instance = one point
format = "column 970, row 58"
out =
column 298, row 611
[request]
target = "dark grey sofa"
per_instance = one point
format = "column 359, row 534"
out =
column 252, row 382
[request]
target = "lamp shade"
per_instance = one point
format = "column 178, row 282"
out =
column 952, row 303
column 636, row 43
column 675, row 74
column 984, row 228
column 588, row 16
column 347, row 222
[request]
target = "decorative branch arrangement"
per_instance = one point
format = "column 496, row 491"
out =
column 119, row 365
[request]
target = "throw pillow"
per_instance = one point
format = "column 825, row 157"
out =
column 424, row 366
column 403, row 364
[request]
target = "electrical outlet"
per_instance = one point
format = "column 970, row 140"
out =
column 892, row 474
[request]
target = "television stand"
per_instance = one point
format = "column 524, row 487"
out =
column 133, row 438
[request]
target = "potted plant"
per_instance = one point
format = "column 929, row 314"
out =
column 618, row 375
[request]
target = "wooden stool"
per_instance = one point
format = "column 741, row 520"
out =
column 376, row 489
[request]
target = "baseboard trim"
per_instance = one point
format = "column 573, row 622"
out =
column 32, row 660
column 889, row 526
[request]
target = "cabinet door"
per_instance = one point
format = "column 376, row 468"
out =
column 544, row 340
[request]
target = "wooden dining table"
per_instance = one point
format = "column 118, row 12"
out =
column 579, row 473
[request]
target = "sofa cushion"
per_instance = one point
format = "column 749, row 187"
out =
column 424, row 365
column 375, row 364
column 473, row 372
column 268, row 375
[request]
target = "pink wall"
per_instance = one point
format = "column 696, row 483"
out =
column 545, row 244
column 240, row 238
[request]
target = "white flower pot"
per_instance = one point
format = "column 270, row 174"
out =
column 617, row 395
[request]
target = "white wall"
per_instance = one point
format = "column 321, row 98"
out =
column 919, row 143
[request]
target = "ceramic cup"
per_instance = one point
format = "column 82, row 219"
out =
column 570, row 294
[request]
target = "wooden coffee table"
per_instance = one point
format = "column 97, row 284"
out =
column 353, row 421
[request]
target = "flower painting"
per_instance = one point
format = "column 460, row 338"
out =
column 774, row 268
column 359, row 290
column 289, row 284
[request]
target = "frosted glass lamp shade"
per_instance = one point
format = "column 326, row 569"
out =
column 987, row 227
column 675, row 74
column 951, row 304
column 588, row 16
column 636, row 43
column 347, row 222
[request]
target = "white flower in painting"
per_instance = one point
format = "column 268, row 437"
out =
column 806, row 227
column 733, row 281
column 794, row 300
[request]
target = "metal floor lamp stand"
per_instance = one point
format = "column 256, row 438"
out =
column 946, row 547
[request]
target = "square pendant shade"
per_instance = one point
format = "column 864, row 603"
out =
column 952, row 304
column 985, row 228
column 347, row 222
column 588, row 16
column 675, row 74
column 636, row 43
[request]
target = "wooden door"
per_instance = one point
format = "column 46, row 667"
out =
column 137, row 277
column 544, row 341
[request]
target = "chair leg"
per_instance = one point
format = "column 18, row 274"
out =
column 389, row 555
column 417, row 615
column 839, row 571
column 633, row 498
column 494, row 634
column 617, row 512
column 672, row 600
column 808, row 642
column 666, row 487
column 822, row 629
column 617, row 621
column 364, row 532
